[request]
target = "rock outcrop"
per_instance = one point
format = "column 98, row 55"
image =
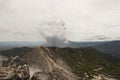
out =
column 14, row 68
column 56, row 74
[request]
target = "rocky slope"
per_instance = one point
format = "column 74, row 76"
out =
column 52, row 63
column 14, row 68
column 49, row 65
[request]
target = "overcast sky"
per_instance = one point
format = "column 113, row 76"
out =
column 76, row 20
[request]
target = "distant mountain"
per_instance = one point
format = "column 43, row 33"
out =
column 84, row 44
column 72, row 44
column 11, row 45
column 15, row 51
column 111, row 48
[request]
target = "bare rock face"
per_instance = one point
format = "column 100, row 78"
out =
column 51, row 67
column 53, row 75
column 14, row 68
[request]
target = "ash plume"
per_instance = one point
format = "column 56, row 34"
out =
column 56, row 33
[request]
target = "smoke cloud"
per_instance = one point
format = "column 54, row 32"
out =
column 56, row 33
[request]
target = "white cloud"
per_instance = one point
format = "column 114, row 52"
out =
column 22, row 19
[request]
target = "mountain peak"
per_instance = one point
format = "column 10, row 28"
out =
column 42, row 58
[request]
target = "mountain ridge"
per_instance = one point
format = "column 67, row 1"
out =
column 84, row 62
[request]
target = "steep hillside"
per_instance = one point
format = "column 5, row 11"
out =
column 85, row 62
column 42, row 59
